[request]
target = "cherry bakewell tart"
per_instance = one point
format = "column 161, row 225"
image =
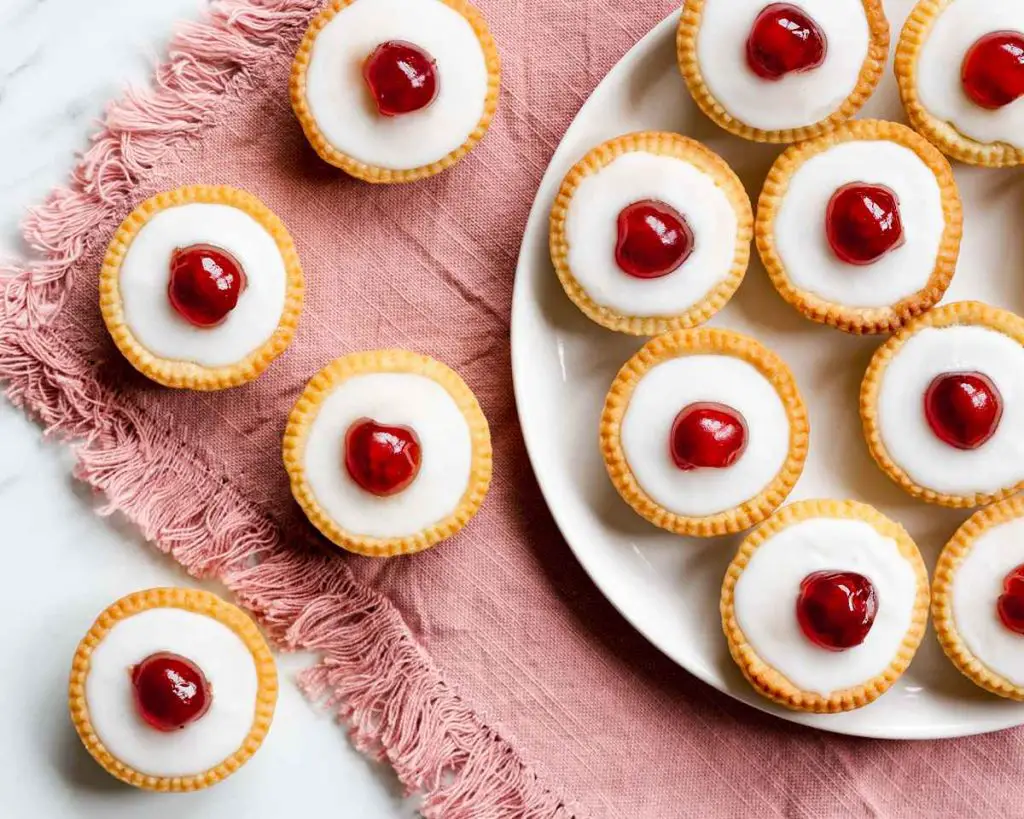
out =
column 172, row 689
column 651, row 232
column 960, row 67
column 861, row 228
column 388, row 452
column 824, row 605
column 978, row 598
column 201, row 288
column 782, row 72
column 704, row 432
column 943, row 405
column 395, row 90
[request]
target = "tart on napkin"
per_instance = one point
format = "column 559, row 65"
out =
column 942, row 405
column 388, row 452
column 860, row 229
column 960, row 67
column 978, row 598
column 651, row 232
column 704, row 432
column 782, row 72
column 395, row 90
column 824, row 605
column 201, row 288
column 172, row 689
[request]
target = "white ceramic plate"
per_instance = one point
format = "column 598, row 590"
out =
column 667, row 586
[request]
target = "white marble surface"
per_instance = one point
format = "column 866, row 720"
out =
column 60, row 61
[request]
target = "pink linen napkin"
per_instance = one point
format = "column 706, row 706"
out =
column 489, row 671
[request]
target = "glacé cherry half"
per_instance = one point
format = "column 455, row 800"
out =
column 1011, row 603
column 963, row 409
column 863, row 223
column 381, row 459
column 654, row 239
column 707, row 435
column 992, row 73
column 784, row 40
column 205, row 284
column 170, row 691
column 402, row 78
column 836, row 609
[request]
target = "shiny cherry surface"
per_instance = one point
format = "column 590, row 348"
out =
column 863, row 223
column 170, row 691
column 836, row 609
column 381, row 459
column 654, row 239
column 1010, row 606
column 205, row 284
column 707, row 435
column 402, row 78
column 963, row 409
column 992, row 73
column 785, row 40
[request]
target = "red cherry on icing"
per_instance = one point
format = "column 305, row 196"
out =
column 707, row 435
column 963, row 409
column 205, row 284
column 1011, row 603
column 654, row 239
column 836, row 609
column 784, row 40
column 170, row 691
column 863, row 223
column 383, row 460
column 993, row 69
column 402, row 78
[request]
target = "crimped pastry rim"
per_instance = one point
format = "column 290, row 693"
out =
column 952, row 555
column 395, row 361
column 860, row 320
column 942, row 134
column 704, row 341
column 867, row 81
column 198, row 602
column 374, row 173
column 769, row 682
column 664, row 144
column 185, row 374
column 962, row 312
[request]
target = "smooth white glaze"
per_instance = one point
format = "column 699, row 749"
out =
column 146, row 272
column 905, row 431
column 346, row 113
column 941, row 92
column 591, row 228
column 446, row 454
column 977, row 586
column 675, row 384
column 795, row 100
column 802, row 243
column 220, row 654
column 766, row 594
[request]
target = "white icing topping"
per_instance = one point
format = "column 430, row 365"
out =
column 657, row 400
column 341, row 103
column 766, row 594
column 802, row 243
column 146, row 272
column 977, row 586
column 403, row 399
column 796, row 100
column 906, row 434
column 223, row 658
column 960, row 25
column 591, row 231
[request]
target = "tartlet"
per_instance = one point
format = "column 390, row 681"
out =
column 782, row 72
column 395, row 90
column 704, row 432
column 201, row 288
column 860, row 229
column 960, row 78
column 172, row 689
column 388, row 452
column 942, row 409
column 825, row 605
column 650, row 232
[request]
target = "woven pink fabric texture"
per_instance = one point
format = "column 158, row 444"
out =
column 489, row 672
